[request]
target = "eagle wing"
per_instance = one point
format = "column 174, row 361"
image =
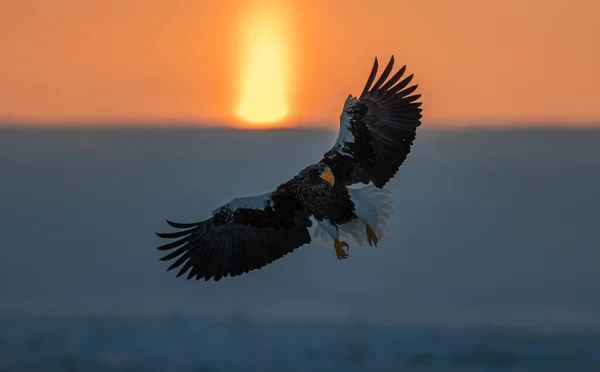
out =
column 242, row 235
column 377, row 129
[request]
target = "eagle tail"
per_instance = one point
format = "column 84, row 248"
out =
column 373, row 207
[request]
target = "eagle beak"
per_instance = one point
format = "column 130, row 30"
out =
column 328, row 176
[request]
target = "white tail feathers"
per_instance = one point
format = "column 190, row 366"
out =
column 373, row 206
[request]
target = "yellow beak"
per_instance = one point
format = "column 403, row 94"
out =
column 328, row 176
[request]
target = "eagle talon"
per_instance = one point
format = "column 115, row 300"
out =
column 371, row 236
column 339, row 249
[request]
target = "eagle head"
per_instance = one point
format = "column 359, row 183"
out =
column 319, row 175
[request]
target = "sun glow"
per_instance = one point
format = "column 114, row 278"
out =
column 264, row 82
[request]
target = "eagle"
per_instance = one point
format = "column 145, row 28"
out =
column 375, row 136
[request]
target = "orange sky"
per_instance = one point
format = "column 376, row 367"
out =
column 101, row 60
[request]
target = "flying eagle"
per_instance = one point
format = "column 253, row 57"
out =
column 376, row 133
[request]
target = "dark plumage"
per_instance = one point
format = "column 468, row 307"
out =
column 377, row 131
column 384, row 123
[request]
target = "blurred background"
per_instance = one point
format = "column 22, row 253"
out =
column 115, row 115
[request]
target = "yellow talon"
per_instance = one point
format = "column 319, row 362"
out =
column 371, row 236
column 339, row 249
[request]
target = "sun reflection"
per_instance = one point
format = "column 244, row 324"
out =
column 264, row 80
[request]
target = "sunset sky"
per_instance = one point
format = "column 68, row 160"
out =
column 227, row 61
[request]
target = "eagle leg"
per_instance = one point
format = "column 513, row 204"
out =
column 339, row 249
column 371, row 236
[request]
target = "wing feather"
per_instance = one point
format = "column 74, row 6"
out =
column 240, row 236
column 371, row 77
column 394, row 78
column 384, row 75
column 401, row 85
column 377, row 129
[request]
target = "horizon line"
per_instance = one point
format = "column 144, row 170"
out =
column 306, row 125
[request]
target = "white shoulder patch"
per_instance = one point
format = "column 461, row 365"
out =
column 344, row 134
column 250, row 202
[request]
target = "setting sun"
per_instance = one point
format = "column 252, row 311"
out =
column 264, row 77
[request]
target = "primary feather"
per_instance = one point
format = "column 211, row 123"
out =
column 377, row 130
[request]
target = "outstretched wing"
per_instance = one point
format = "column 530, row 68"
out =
column 377, row 130
column 242, row 235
